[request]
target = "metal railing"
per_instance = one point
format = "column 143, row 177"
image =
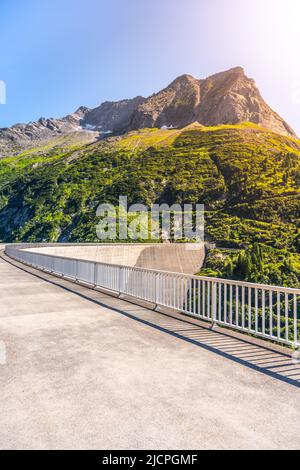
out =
column 266, row 311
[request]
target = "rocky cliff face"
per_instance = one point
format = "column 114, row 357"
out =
column 112, row 117
column 224, row 98
column 231, row 97
column 21, row 136
column 175, row 106
column 45, row 128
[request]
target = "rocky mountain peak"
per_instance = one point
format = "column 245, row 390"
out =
column 228, row 97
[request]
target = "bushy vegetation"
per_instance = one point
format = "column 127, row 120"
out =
column 247, row 177
column 258, row 263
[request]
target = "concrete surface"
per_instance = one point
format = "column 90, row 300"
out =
column 86, row 370
column 185, row 258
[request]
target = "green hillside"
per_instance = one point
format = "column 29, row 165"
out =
column 248, row 178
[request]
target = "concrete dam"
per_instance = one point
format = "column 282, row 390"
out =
column 186, row 258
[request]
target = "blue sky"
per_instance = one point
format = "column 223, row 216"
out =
column 58, row 55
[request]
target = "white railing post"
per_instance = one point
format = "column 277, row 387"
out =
column 214, row 304
column 76, row 271
column 121, row 280
column 95, row 274
column 157, row 290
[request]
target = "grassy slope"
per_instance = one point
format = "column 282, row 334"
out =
column 248, row 177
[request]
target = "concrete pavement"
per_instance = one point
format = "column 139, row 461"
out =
column 86, row 370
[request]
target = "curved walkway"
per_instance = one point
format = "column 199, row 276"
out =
column 86, row 370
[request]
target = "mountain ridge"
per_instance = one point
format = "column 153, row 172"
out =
column 228, row 97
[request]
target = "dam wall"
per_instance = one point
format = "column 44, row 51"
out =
column 184, row 258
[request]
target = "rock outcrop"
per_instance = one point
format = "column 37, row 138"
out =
column 224, row 98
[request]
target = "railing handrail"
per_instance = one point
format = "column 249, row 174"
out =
column 270, row 312
column 289, row 290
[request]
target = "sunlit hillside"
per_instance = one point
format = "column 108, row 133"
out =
column 247, row 177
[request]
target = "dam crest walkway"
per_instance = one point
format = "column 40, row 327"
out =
column 84, row 369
